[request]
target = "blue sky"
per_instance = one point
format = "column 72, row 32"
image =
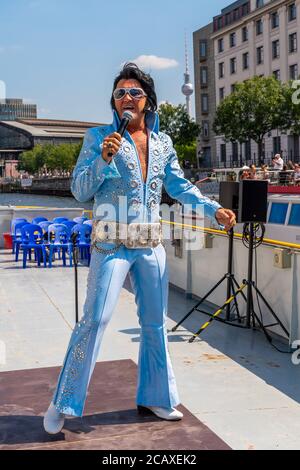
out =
column 64, row 54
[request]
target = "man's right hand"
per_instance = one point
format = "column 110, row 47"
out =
column 111, row 145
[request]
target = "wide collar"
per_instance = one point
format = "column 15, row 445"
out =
column 152, row 121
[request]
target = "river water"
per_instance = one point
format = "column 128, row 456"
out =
column 17, row 199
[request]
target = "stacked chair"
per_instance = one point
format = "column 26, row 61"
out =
column 50, row 239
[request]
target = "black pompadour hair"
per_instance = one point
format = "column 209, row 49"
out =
column 131, row 70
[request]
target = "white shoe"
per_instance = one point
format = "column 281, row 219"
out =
column 53, row 420
column 170, row 414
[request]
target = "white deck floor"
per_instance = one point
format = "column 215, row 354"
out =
column 232, row 379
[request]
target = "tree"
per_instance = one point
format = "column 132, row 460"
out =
column 292, row 111
column 55, row 157
column 257, row 106
column 176, row 122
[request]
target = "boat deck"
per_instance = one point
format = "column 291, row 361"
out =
column 231, row 380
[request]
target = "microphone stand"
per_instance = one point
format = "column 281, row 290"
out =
column 74, row 237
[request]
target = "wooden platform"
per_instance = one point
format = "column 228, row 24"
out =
column 110, row 418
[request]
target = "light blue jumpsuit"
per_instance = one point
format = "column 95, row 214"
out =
column 119, row 185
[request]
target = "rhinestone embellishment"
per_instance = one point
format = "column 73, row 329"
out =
column 153, row 185
column 131, row 166
column 133, row 183
column 155, row 168
column 127, row 149
column 134, row 202
column 156, row 152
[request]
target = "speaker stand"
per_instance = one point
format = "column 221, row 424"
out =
column 232, row 285
column 251, row 316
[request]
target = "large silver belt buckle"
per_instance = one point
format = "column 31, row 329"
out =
column 134, row 235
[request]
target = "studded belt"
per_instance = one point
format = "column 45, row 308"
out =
column 133, row 235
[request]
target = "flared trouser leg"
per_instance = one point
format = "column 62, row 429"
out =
column 105, row 280
column 107, row 273
column 156, row 382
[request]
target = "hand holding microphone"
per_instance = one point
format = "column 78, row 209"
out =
column 111, row 145
column 112, row 142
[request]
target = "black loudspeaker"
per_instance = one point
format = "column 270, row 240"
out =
column 253, row 201
column 229, row 195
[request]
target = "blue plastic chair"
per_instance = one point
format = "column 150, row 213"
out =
column 83, row 240
column 88, row 222
column 17, row 237
column 59, row 241
column 44, row 225
column 70, row 224
column 59, row 220
column 80, row 220
column 12, row 228
column 32, row 238
column 37, row 220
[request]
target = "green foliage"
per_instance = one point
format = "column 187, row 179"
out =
column 176, row 122
column 187, row 152
column 292, row 110
column 55, row 157
column 257, row 106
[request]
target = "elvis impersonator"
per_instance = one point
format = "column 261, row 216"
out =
column 125, row 176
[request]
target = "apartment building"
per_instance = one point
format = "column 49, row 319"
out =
column 255, row 37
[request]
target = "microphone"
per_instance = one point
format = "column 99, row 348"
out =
column 126, row 118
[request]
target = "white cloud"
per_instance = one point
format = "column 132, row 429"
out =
column 154, row 62
column 11, row 48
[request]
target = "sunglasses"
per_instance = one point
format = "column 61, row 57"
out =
column 136, row 93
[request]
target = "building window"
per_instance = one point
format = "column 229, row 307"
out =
column 233, row 65
column 203, row 76
column 221, row 45
column 235, row 151
column 245, row 9
column 223, row 152
column 259, row 3
column 259, row 27
column 275, row 20
column 244, row 34
column 232, row 39
column 221, row 93
column 227, row 18
column 293, row 42
column 292, row 12
column 203, row 49
column 276, row 74
column 245, row 60
column 260, row 55
column 232, row 88
column 204, row 103
column 248, row 150
column 275, row 49
column 205, row 130
column 235, row 14
column 221, row 70
column 276, row 144
column 294, row 72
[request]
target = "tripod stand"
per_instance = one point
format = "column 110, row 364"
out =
column 231, row 285
column 251, row 315
column 250, row 312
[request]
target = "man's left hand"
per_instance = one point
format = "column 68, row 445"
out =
column 226, row 217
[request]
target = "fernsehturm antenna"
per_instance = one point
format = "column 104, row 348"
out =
column 187, row 88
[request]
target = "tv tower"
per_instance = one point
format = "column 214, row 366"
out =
column 187, row 88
